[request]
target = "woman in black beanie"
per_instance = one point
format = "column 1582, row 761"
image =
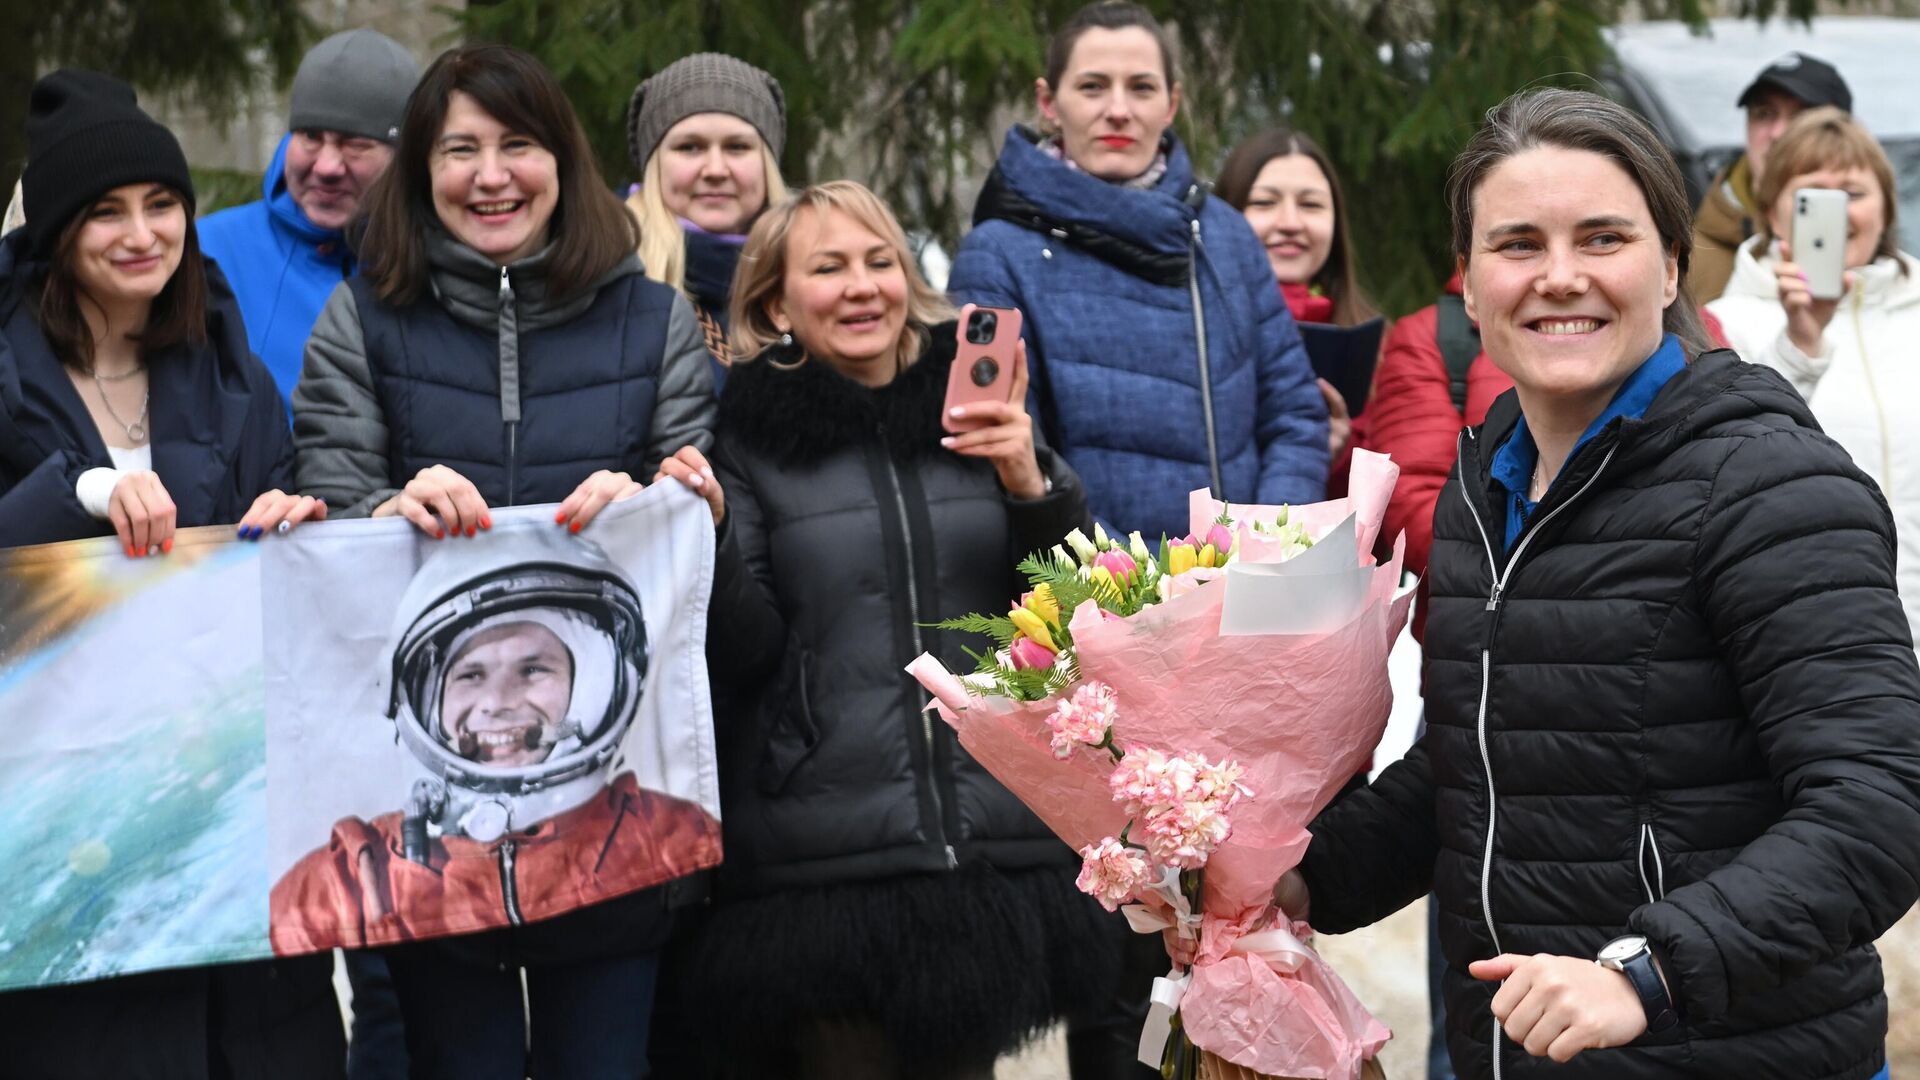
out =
column 130, row 406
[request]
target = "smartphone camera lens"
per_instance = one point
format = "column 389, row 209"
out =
column 985, row 370
column 981, row 326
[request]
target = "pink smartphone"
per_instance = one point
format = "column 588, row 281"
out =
column 983, row 363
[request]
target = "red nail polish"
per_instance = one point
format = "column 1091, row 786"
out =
column 575, row 527
column 560, row 517
column 166, row 546
column 439, row 534
column 486, row 521
column 143, row 553
column 130, row 551
column 472, row 530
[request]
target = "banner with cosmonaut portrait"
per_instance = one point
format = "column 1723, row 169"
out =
column 349, row 735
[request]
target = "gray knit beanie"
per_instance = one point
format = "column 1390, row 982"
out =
column 702, row 83
column 355, row 82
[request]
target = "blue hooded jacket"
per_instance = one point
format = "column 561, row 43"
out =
column 282, row 267
column 1105, row 277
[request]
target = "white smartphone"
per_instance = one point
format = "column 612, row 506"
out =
column 1820, row 239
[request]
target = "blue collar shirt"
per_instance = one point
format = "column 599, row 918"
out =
column 1513, row 463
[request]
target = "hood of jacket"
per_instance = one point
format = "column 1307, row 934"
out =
column 1725, row 213
column 1881, row 283
column 280, row 202
column 1716, row 389
column 470, row 285
column 1146, row 233
column 808, row 412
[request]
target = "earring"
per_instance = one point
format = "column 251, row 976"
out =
column 786, row 338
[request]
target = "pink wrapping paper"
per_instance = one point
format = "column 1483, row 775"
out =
column 1301, row 714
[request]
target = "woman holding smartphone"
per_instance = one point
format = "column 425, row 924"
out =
column 886, row 908
column 1850, row 356
column 1669, row 791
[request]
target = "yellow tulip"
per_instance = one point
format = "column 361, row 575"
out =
column 1207, row 556
column 1180, row 559
column 1042, row 602
column 1030, row 625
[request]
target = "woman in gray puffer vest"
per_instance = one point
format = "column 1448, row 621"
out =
column 504, row 348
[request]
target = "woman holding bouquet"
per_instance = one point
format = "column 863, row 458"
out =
column 1673, row 707
column 886, row 909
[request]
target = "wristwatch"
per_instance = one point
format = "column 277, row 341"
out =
column 1631, row 957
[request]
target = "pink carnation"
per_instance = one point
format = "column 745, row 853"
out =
column 1147, row 778
column 1086, row 717
column 1110, row 872
column 1184, row 835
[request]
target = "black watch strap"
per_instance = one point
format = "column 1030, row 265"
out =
column 1654, row 998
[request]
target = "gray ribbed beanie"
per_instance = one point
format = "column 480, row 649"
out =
column 355, row 82
column 701, row 83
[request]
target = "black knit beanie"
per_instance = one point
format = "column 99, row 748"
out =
column 86, row 136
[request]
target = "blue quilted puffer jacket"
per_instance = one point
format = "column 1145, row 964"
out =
column 1118, row 286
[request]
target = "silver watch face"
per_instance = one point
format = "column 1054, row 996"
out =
column 1620, row 950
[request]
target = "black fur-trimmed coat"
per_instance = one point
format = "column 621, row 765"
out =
column 875, row 876
column 848, row 529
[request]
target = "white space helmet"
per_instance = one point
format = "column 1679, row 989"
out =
column 541, row 576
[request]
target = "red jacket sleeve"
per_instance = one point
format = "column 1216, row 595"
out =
column 1411, row 416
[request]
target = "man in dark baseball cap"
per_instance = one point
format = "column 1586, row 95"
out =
column 1725, row 219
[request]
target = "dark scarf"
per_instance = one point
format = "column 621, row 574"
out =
column 711, row 259
column 806, row 413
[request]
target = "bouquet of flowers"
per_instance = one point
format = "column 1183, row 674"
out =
column 1179, row 717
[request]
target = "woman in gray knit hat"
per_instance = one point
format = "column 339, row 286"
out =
column 705, row 136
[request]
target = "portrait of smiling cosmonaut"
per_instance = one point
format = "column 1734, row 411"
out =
column 513, row 675
column 517, row 672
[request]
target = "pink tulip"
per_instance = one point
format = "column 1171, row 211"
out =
column 1119, row 564
column 1221, row 538
column 1027, row 653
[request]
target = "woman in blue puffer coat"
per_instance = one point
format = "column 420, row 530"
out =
column 1163, row 359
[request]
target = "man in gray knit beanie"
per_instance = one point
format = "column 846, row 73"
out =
column 285, row 253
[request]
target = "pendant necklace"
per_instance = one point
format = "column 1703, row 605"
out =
column 136, row 431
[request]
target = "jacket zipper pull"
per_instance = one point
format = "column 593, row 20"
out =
column 506, row 288
column 1493, row 599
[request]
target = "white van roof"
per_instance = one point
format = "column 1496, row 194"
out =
column 1699, row 79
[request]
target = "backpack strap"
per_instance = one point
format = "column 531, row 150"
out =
column 1459, row 342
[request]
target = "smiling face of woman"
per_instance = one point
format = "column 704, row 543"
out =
column 713, row 172
column 494, row 189
column 845, row 295
column 1566, row 274
column 129, row 244
column 1290, row 208
column 1112, row 103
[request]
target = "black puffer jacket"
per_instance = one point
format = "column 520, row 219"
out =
column 848, row 529
column 1690, row 710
